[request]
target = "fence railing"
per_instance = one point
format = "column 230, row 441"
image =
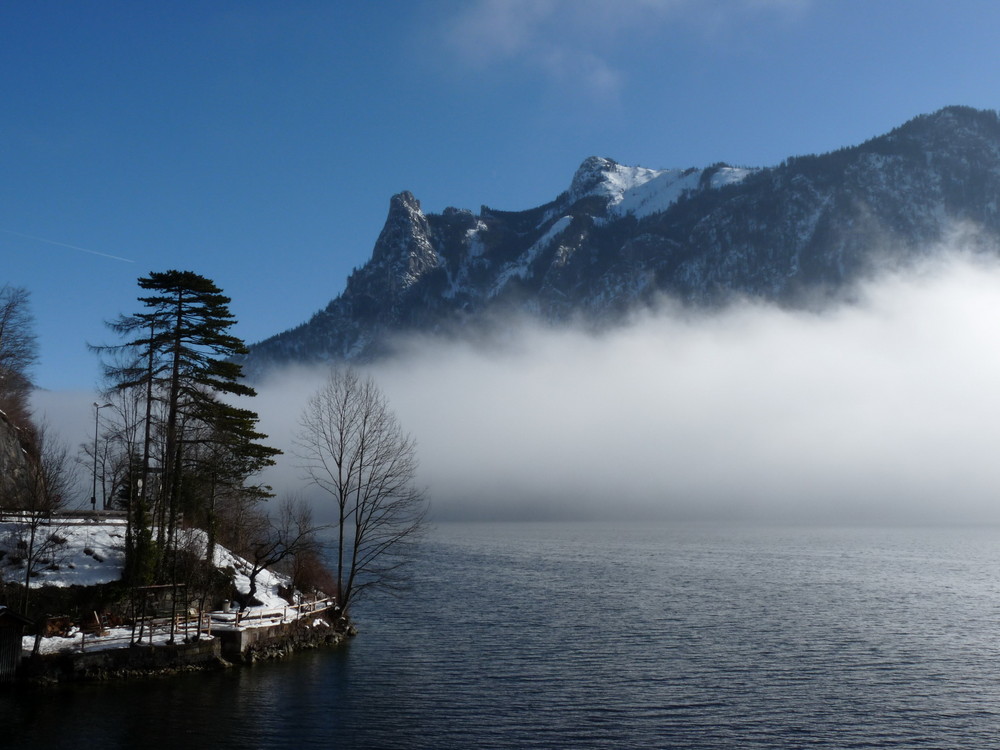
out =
column 63, row 517
column 157, row 631
column 260, row 616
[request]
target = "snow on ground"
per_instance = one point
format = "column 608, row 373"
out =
column 89, row 551
column 267, row 580
column 110, row 638
column 77, row 641
column 78, row 551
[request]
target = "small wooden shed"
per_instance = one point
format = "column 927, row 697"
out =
column 11, row 631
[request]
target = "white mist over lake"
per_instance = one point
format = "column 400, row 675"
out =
column 882, row 409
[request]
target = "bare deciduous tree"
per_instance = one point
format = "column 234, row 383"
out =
column 275, row 539
column 33, row 540
column 352, row 447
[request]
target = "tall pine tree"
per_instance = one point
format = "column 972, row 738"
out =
column 179, row 352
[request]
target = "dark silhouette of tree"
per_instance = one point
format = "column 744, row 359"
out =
column 178, row 352
column 353, row 448
column 32, row 541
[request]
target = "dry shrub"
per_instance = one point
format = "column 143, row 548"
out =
column 309, row 573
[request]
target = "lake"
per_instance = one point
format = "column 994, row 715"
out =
column 595, row 636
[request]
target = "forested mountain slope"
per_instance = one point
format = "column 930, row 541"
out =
column 621, row 236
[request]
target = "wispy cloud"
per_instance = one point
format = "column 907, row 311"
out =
column 495, row 30
column 578, row 43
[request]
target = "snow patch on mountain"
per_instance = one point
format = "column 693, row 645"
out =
column 640, row 191
column 555, row 230
column 521, row 267
column 474, row 241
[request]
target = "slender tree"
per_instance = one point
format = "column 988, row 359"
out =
column 178, row 352
column 33, row 541
column 352, row 447
column 189, row 319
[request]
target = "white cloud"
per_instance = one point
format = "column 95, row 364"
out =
column 576, row 43
column 493, row 30
column 569, row 43
column 589, row 72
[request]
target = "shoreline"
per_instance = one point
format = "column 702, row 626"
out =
column 222, row 650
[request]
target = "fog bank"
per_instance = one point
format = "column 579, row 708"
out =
column 883, row 410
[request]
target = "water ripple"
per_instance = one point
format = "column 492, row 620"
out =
column 588, row 636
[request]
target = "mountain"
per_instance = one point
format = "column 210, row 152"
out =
column 623, row 236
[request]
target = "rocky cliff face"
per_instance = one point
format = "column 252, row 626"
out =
column 620, row 236
column 15, row 463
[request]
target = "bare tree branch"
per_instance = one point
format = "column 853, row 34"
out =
column 18, row 353
column 351, row 446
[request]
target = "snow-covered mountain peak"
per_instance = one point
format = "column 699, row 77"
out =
column 641, row 191
column 607, row 178
column 624, row 236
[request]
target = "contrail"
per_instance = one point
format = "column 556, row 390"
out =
column 63, row 244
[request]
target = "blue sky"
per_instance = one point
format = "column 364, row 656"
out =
column 259, row 143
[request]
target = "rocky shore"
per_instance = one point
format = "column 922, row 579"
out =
column 222, row 650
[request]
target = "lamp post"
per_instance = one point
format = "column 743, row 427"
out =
column 97, row 415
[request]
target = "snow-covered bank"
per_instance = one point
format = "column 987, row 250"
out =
column 87, row 550
column 73, row 550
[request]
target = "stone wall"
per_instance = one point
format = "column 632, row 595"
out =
column 224, row 649
column 276, row 641
column 131, row 661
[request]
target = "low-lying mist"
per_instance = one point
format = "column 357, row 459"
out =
column 882, row 410
column 886, row 409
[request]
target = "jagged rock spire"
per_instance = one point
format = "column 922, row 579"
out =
column 404, row 246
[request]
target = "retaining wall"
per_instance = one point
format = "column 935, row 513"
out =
column 222, row 649
column 128, row 661
column 273, row 641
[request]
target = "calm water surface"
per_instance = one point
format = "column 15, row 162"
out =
column 587, row 636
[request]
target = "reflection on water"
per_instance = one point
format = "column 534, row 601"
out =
column 596, row 636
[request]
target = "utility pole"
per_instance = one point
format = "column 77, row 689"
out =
column 93, row 493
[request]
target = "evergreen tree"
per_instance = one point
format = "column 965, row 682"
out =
column 179, row 352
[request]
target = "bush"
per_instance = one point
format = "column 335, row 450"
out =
column 309, row 573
